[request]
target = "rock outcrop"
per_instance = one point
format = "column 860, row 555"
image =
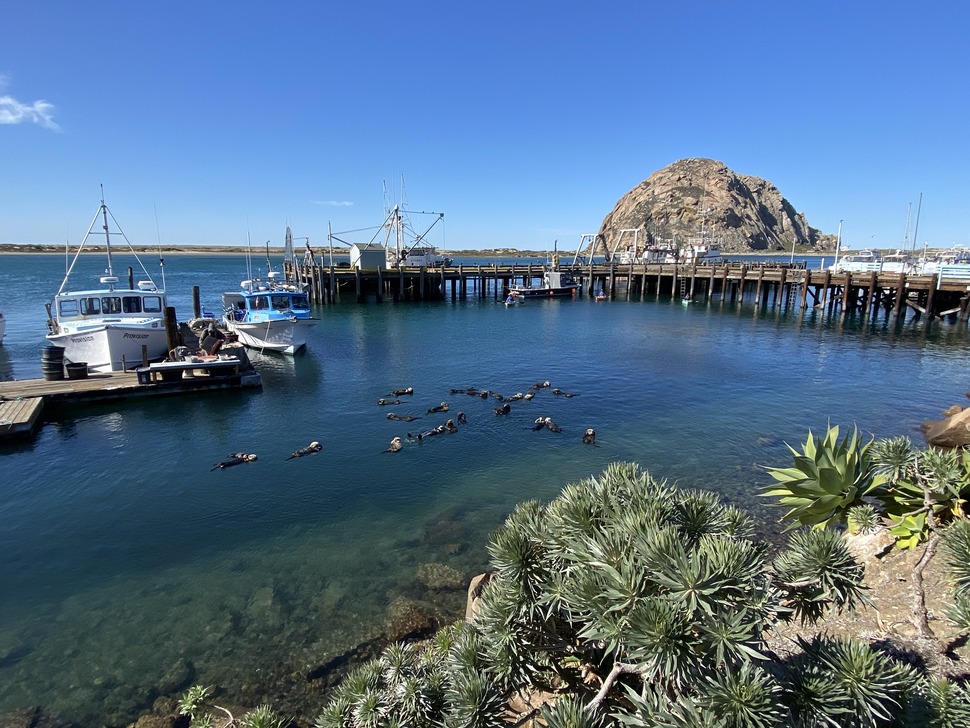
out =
column 952, row 431
column 701, row 200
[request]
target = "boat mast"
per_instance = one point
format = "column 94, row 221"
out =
column 916, row 226
column 838, row 245
column 107, row 239
column 909, row 220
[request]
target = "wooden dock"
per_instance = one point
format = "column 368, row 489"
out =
column 764, row 284
column 18, row 417
column 23, row 401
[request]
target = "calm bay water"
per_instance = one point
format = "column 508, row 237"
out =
column 128, row 570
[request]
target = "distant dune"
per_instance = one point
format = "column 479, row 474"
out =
column 276, row 252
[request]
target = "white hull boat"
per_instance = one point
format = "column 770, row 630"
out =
column 270, row 315
column 113, row 327
column 283, row 336
column 113, row 346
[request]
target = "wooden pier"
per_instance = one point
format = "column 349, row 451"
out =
column 23, row 401
column 766, row 285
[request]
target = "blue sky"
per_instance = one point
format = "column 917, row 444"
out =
column 524, row 122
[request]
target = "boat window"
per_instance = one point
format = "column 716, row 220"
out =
column 111, row 304
column 152, row 304
column 90, row 306
column 260, row 303
column 300, row 301
column 280, row 303
column 68, row 307
column 131, row 304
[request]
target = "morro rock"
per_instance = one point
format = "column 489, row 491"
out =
column 696, row 201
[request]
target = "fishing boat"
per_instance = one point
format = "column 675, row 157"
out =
column 404, row 246
column 111, row 327
column 269, row 315
column 864, row 261
column 555, row 284
column 416, row 256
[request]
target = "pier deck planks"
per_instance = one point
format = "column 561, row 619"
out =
column 19, row 416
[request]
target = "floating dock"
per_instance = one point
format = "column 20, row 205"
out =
column 23, row 401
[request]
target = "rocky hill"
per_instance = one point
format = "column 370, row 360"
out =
column 695, row 200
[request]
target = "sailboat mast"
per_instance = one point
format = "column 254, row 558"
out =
column 919, row 206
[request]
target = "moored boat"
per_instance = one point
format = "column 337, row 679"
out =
column 865, row 261
column 555, row 283
column 112, row 327
column 270, row 315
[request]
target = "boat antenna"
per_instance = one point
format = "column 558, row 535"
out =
column 158, row 239
column 269, row 265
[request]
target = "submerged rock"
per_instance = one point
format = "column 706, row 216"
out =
column 439, row 576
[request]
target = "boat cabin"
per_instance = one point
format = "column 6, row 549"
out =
column 146, row 302
column 266, row 304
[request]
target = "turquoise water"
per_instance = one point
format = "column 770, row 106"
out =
column 129, row 570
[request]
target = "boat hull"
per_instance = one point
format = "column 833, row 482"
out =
column 546, row 292
column 280, row 335
column 113, row 347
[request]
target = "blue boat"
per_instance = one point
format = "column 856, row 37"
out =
column 270, row 315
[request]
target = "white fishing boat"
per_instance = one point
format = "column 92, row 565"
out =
column 407, row 248
column 864, row 261
column 898, row 262
column 269, row 315
column 113, row 326
column 555, row 284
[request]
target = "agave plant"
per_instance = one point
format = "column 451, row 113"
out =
column 817, row 571
column 863, row 519
column 828, row 477
column 262, row 716
column 836, row 679
column 939, row 703
column 665, row 595
column 568, row 712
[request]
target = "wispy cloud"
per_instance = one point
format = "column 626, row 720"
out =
column 333, row 203
column 13, row 111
